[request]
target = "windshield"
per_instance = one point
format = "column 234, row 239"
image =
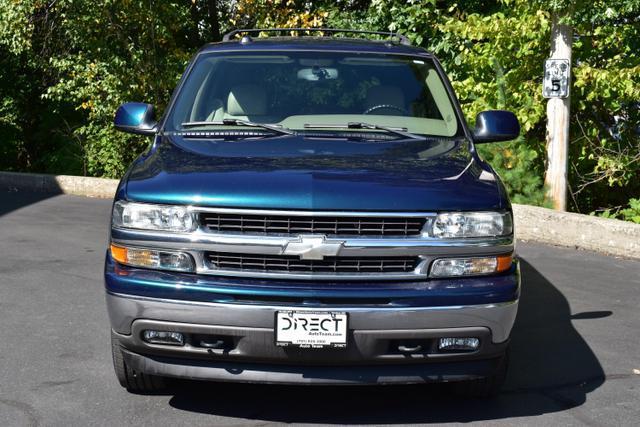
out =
column 306, row 90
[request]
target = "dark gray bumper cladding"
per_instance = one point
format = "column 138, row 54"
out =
column 320, row 375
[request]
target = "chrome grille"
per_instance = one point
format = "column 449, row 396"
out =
column 327, row 225
column 293, row 264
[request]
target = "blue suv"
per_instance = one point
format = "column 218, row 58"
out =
column 312, row 210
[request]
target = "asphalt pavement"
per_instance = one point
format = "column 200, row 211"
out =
column 575, row 356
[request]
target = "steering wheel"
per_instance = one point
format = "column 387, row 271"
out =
column 388, row 106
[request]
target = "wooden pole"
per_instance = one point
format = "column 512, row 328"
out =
column 558, row 115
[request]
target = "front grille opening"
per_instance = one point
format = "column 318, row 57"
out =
column 293, row 264
column 294, row 225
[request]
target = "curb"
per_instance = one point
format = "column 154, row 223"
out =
column 59, row 184
column 608, row 236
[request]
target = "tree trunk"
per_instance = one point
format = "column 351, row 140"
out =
column 193, row 36
column 214, row 25
column 558, row 115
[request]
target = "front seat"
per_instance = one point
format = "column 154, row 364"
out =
column 244, row 102
column 385, row 95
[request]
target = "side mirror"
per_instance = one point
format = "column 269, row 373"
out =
column 496, row 125
column 136, row 117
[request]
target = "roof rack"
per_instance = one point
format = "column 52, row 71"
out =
column 227, row 37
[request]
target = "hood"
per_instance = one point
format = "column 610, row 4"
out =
column 299, row 172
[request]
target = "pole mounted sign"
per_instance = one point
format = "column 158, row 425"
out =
column 556, row 87
column 556, row 78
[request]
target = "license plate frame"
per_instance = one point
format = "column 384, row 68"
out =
column 311, row 329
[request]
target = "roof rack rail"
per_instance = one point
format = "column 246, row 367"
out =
column 227, row 37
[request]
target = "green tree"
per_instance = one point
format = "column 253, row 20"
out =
column 87, row 59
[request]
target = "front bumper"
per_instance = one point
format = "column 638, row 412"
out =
column 383, row 317
column 250, row 355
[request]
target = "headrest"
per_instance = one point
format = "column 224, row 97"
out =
column 246, row 100
column 381, row 95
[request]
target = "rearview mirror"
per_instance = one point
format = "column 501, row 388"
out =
column 496, row 125
column 136, row 117
column 317, row 73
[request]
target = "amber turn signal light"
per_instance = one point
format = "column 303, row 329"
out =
column 151, row 258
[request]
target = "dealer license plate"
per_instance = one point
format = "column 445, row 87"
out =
column 311, row 329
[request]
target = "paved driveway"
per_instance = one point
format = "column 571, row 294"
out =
column 576, row 343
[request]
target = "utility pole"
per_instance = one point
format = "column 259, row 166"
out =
column 557, row 84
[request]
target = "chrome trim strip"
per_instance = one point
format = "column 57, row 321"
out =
column 198, row 209
column 275, row 245
column 356, row 308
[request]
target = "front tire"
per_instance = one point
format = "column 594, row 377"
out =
column 133, row 381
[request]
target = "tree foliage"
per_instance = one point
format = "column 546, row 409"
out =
column 88, row 59
column 66, row 65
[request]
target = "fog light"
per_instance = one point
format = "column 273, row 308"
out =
column 458, row 344
column 163, row 337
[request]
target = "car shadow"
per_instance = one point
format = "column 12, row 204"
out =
column 12, row 199
column 552, row 369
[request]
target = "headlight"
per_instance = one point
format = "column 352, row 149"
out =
column 144, row 216
column 471, row 224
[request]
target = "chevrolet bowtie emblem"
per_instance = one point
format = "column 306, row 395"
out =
column 312, row 247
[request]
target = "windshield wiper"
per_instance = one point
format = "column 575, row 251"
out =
column 238, row 122
column 361, row 125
